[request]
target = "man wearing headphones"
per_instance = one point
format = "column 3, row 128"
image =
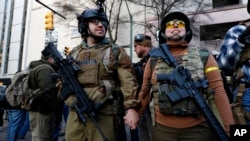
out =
column 107, row 78
column 182, row 120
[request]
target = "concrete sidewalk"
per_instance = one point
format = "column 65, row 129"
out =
column 3, row 134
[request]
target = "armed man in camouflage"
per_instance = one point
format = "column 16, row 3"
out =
column 107, row 78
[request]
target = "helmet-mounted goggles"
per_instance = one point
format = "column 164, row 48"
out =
column 141, row 37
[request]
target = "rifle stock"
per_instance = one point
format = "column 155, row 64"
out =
column 67, row 72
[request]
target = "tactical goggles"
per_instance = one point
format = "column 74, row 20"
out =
column 141, row 37
column 97, row 21
column 175, row 23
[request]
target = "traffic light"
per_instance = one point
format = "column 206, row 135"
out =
column 66, row 50
column 49, row 25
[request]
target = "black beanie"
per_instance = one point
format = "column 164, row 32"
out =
column 45, row 53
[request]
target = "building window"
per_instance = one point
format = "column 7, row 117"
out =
column 220, row 3
column 14, row 36
column 215, row 31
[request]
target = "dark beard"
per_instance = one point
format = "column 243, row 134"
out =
column 175, row 38
column 97, row 38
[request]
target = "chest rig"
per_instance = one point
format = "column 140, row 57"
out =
column 187, row 106
column 98, row 65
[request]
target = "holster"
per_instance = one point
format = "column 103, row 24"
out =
column 118, row 110
column 120, row 133
column 114, row 107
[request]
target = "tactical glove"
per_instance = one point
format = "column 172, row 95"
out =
column 244, row 38
column 66, row 50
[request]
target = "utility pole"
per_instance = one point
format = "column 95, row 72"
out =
column 131, row 31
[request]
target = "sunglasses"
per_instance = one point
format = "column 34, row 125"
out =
column 141, row 37
column 97, row 21
column 175, row 23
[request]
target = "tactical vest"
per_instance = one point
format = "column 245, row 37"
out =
column 97, row 71
column 186, row 107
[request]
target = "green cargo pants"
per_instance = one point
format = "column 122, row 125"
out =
column 42, row 126
column 77, row 131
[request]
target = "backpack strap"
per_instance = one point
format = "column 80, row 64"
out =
column 204, row 54
column 115, row 50
column 153, row 61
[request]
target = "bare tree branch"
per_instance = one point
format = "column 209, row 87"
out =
column 156, row 8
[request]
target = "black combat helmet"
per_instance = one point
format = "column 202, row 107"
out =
column 179, row 16
column 89, row 14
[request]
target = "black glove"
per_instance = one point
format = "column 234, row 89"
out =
column 244, row 38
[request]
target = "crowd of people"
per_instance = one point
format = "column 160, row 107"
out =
column 135, row 96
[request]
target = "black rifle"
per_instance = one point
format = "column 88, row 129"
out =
column 67, row 69
column 185, row 86
column 138, row 72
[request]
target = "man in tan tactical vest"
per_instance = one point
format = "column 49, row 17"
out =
column 106, row 76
